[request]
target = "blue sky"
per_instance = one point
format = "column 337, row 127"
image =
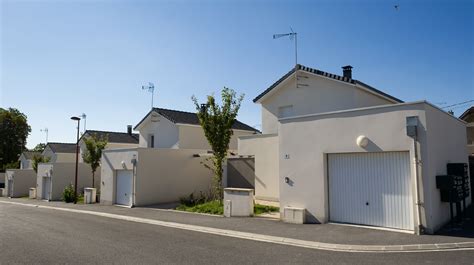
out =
column 63, row 58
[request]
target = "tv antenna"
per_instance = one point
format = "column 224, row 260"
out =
column 292, row 36
column 151, row 88
column 45, row 130
column 84, row 117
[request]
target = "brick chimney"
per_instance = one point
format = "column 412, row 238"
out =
column 347, row 71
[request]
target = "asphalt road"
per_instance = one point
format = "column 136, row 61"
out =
column 42, row 236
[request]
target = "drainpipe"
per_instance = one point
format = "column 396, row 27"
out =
column 412, row 131
column 134, row 172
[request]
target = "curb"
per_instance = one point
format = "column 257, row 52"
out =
column 273, row 239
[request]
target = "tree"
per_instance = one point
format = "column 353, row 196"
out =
column 39, row 148
column 93, row 153
column 39, row 159
column 14, row 130
column 217, row 122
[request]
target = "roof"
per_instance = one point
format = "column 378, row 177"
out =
column 62, row 147
column 328, row 75
column 184, row 117
column 467, row 112
column 115, row 137
column 30, row 154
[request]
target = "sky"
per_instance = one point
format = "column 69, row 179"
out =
column 64, row 58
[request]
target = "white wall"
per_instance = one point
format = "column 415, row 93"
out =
column 446, row 144
column 162, row 175
column 165, row 132
column 23, row 180
column 192, row 137
column 321, row 95
column 63, row 174
column 83, row 148
column 265, row 149
column 307, row 141
column 25, row 163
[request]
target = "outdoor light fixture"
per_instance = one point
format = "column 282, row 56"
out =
column 124, row 166
column 77, row 156
column 362, row 141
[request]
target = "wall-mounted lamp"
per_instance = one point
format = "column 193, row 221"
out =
column 287, row 180
column 124, row 166
column 362, row 141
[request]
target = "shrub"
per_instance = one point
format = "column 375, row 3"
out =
column 192, row 199
column 68, row 194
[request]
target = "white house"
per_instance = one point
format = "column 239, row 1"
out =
column 26, row 159
column 60, row 152
column 339, row 150
column 167, row 164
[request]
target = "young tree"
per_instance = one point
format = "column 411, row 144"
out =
column 93, row 153
column 217, row 122
column 14, row 130
column 39, row 148
column 39, row 159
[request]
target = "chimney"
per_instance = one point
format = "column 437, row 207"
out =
column 347, row 71
column 129, row 129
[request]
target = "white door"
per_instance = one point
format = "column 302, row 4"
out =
column 371, row 189
column 46, row 192
column 124, row 187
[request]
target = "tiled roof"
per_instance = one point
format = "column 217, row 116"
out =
column 62, row 147
column 30, row 154
column 325, row 74
column 115, row 137
column 184, row 117
column 467, row 112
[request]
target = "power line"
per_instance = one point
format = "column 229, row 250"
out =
column 460, row 103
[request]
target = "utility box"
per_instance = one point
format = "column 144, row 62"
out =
column 238, row 201
column 294, row 215
column 32, row 194
column 90, row 195
column 2, row 191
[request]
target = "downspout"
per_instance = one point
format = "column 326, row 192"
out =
column 134, row 172
column 419, row 205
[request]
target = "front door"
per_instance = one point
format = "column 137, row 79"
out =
column 124, row 187
column 46, row 189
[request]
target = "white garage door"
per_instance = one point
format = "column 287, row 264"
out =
column 124, row 187
column 371, row 189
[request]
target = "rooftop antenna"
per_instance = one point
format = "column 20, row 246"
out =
column 84, row 117
column 151, row 88
column 292, row 35
column 45, row 130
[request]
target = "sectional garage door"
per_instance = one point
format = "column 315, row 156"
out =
column 371, row 189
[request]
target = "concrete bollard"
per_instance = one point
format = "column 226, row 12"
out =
column 32, row 194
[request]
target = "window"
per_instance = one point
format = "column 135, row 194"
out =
column 151, row 143
column 285, row 111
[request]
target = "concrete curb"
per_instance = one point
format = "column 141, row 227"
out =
column 272, row 239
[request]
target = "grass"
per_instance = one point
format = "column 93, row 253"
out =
column 80, row 199
column 216, row 207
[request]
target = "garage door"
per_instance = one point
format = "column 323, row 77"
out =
column 371, row 189
column 124, row 187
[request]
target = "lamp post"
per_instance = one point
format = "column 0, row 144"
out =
column 77, row 157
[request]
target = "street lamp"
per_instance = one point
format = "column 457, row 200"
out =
column 77, row 157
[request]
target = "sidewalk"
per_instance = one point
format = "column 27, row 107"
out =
column 323, row 233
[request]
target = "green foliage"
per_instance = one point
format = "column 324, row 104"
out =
column 93, row 153
column 39, row 159
column 13, row 165
column 259, row 209
column 39, row 148
column 192, row 199
column 14, row 130
column 68, row 194
column 217, row 122
column 212, row 207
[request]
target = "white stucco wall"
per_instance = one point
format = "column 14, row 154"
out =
column 162, row 175
column 23, row 180
column 63, row 174
column 165, row 132
column 305, row 143
column 264, row 148
column 192, row 137
column 446, row 143
column 321, row 95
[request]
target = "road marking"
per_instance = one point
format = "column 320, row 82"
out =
column 439, row 247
